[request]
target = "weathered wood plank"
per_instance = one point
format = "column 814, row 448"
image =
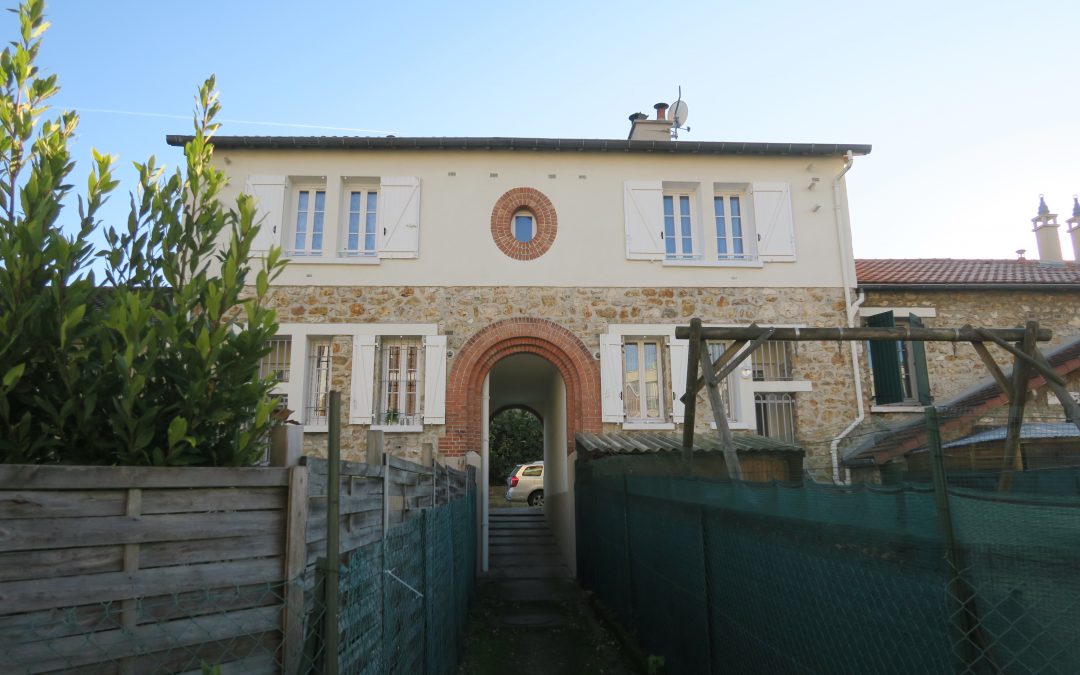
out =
column 37, row 594
column 40, row 533
column 51, row 624
column 38, row 477
column 259, row 664
column 164, row 554
column 61, row 503
column 292, row 617
column 79, row 650
column 214, row 499
column 60, row 562
column 411, row 467
column 905, row 333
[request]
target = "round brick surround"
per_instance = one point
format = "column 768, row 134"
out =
column 465, row 382
column 547, row 223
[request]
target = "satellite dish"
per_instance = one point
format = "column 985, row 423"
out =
column 678, row 113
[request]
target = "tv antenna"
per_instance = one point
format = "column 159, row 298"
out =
column 679, row 113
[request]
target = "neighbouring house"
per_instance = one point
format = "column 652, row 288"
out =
column 900, row 378
column 435, row 281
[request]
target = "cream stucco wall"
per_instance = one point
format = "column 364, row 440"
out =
column 459, row 188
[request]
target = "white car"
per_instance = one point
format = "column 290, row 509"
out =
column 526, row 484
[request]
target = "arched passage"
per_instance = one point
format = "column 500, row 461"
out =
column 465, row 381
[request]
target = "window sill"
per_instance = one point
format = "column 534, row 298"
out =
column 647, row 426
column 316, row 429
column 734, row 426
column 712, row 263
column 332, row 260
column 398, row 428
column 897, row 408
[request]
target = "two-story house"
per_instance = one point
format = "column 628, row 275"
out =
column 435, row 281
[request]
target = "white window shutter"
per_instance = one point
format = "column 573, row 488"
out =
column 643, row 204
column 611, row 378
column 399, row 217
column 269, row 193
column 435, row 379
column 363, row 379
column 773, row 222
column 678, row 350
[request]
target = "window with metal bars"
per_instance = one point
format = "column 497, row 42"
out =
column 775, row 415
column 715, row 350
column 320, row 361
column 276, row 363
column 400, row 382
column 772, row 361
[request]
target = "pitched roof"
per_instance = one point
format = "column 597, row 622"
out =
column 945, row 272
column 542, row 144
column 660, row 441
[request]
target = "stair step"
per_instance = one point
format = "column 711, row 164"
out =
column 530, row 572
column 525, row 560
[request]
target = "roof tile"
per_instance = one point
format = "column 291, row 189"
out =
column 947, row 271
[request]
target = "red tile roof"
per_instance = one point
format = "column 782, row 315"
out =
column 945, row 271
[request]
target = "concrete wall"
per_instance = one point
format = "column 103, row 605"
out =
column 558, row 496
column 458, row 191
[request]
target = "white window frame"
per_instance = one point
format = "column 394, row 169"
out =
column 613, row 341
column 382, row 384
column 724, row 217
column 366, row 190
column 513, row 224
column 303, row 334
column 280, row 355
column 680, row 196
column 641, row 416
column 309, row 250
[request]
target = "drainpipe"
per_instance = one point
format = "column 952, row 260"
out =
column 847, row 264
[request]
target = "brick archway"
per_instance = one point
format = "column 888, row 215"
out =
column 465, row 382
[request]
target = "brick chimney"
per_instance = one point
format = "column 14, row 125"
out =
column 1046, row 234
column 1074, row 228
column 644, row 129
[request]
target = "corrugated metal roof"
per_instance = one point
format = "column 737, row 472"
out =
column 1027, row 431
column 950, row 271
column 663, row 441
column 532, row 144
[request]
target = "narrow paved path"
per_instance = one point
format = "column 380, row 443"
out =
column 529, row 616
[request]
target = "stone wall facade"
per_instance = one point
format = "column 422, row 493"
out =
column 955, row 367
column 462, row 312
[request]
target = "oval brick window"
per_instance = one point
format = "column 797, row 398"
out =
column 523, row 223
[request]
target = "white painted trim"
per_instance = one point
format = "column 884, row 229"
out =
column 329, row 260
column 398, row 428
column 316, row 429
column 897, row 408
column 734, row 424
column 899, row 312
column 643, row 329
column 646, row 426
column 335, row 329
column 713, row 263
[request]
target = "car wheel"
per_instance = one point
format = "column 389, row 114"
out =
column 536, row 498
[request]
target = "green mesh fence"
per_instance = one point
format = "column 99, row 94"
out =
column 766, row 578
column 404, row 599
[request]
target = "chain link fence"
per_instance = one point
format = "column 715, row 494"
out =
column 962, row 576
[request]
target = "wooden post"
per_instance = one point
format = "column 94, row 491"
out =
column 130, row 608
column 731, row 457
column 333, row 547
column 375, row 447
column 1013, row 459
column 292, row 621
column 690, row 414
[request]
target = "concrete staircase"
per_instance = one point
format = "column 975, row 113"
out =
column 521, row 546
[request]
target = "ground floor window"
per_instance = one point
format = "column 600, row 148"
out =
column 642, row 380
column 775, row 416
column 400, row 382
column 318, row 386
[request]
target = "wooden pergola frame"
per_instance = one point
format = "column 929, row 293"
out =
column 1020, row 342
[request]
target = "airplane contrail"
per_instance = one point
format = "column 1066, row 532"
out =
column 230, row 121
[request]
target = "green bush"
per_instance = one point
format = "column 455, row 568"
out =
column 517, row 437
column 159, row 365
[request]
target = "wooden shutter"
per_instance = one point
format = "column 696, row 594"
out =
column 918, row 353
column 644, row 212
column 269, row 193
column 363, row 379
column 773, row 222
column 885, row 363
column 399, row 217
column 611, row 378
column 435, row 379
column 679, row 350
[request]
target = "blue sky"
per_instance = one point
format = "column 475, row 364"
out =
column 972, row 107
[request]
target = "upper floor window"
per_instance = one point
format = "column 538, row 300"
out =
column 361, row 222
column 678, row 226
column 309, row 221
column 898, row 368
column 524, row 226
column 729, row 227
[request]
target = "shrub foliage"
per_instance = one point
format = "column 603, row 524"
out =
column 160, row 364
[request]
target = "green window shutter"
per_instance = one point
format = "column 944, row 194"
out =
column 885, row 363
column 918, row 351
